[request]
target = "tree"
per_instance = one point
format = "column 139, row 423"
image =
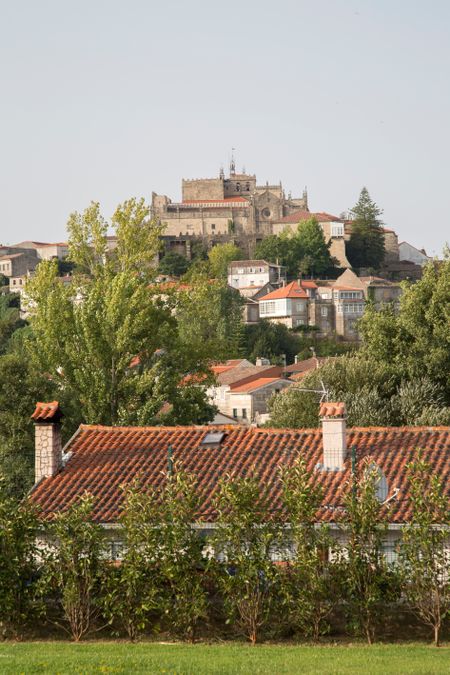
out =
column 272, row 249
column 22, row 385
column 87, row 333
column 209, row 316
column 366, row 245
column 179, row 552
column 294, row 408
column 220, row 256
column 271, row 341
column 18, row 566
column 173, row 264
column 74, row 567
column 311, row 586
column 423, row 554
column 10, row 320
column 248, row 534
column 133, row 588
column 314, row 252
column 367, row 581
column 416, row 339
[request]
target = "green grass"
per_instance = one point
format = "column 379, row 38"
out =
column 122, row 657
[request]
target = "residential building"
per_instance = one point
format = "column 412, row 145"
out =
column 412, row 254
column 235, row 393
column 46, row 251
column 101, row 460
column 287, row 305
column 18, row 264
column 250, row 276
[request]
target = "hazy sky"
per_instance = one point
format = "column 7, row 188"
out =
column 107, row 99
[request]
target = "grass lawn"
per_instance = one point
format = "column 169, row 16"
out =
column 122, row 657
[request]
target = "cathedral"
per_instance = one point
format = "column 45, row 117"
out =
column 216, row 210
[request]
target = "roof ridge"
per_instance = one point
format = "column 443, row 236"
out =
column 284, row 430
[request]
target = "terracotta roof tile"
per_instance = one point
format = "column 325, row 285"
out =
column 104, row 458
column 300, row 215
column 48, row 412
column 253, row 384
column 292, row 290
column 332, row 410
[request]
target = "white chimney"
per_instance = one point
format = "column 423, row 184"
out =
column 334, row 435
column 48, row 446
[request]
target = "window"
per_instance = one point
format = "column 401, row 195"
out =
column 337, row 230
column 213, row 226
column 244, row 413
column 300, row 322
column 235, row 412
column 350, row 295
column 238, row 187
column 353, row 308
column 247, row 187
column 324, row 311
column 116, row 550
column 299, row 307
column 268, row 307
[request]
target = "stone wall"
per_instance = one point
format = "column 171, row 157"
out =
column 202, row 188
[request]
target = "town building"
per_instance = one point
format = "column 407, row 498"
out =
column 287, row 305
column 242, row 390
column 101, row 461
column 45, row 251
column 412, row 254
column 18, row 264
column 250, row 276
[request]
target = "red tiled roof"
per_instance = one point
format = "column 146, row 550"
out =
column 305, row 365
column 227, row 200
column 48, row 412
column 253, row 384
column 307, row 283
column 332, row 410
column 292, row 290
column 102, row 459
column 302, row 214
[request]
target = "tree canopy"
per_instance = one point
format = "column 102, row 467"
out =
column 303, row 251
column 366, row 245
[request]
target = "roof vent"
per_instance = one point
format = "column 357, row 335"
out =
column 212, row 439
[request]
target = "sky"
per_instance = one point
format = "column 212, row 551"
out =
column 107, row 99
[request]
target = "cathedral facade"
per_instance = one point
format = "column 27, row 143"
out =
column 215, row 210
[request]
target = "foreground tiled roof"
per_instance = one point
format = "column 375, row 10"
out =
column 292, row 290
column 104, row 458
column 305, row 365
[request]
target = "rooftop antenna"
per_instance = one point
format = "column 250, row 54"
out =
column 232, row 163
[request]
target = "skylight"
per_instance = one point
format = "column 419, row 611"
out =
column 212, row 439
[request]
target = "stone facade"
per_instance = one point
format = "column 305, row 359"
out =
column 214, row 210
column 48, row 450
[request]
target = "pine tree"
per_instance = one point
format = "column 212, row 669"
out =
column 366, row 245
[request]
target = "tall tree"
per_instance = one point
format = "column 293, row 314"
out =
column 88, row 333
column 423, row 550
column 173, row 264
column 313, row 251
column 366, row 245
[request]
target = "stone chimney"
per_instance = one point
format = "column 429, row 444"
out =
column 48, row 446
column 334, row 435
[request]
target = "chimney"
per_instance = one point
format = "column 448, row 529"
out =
column 48, row 446
column 333, row 435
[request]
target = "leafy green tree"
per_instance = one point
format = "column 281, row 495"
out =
column 22, row 386
column 416, row 339
column 423, row 549
column 269, row 340
column 294, row 408
column 179, row 552
column 209, row 316
column 272, row 249
column 366, row 245
column 18, row 563
column 74, row 568
column 368, row 582
column 248, row 534
column 10, row 320
column 220, row 256
column 88, row 333
column 4, row 280
column 311, row 585
column 133, row 588
column 173, row 264
column 314, row 253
